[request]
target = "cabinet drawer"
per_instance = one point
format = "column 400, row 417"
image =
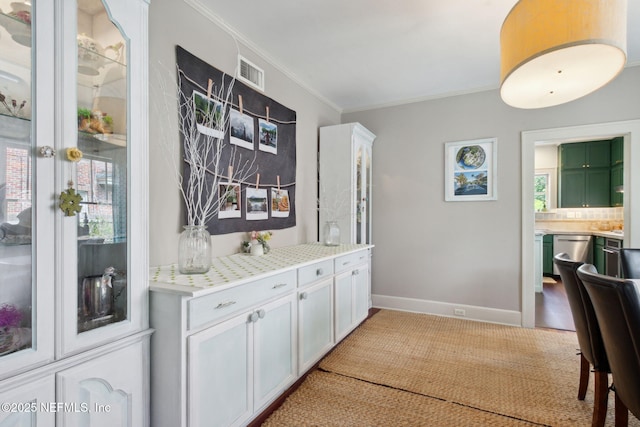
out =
column 314, row 272
column 211, row 307
column 346, row 262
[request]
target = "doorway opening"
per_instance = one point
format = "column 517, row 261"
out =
column 630, row 130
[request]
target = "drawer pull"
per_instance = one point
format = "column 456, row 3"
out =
column 224, row 304
column 279, row 285
column 346, row 263
column 319, row 272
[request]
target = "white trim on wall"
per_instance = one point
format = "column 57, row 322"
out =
column 471, row 312
column 631, row 132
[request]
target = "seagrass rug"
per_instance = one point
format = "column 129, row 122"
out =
column 408, row 369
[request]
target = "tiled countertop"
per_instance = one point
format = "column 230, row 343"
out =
column 232, row 270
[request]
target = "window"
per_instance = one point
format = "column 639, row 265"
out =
column 17, row 190
column 541, row 192
column 95, row 185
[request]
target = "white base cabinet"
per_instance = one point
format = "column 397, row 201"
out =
column 352, row 293
column 104, row 387
column 315, row 324
column 223, row 350
column 239, row 365
column 25, row 403
column 114, row 397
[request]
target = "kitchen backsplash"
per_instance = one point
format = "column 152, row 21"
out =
column 582, row 219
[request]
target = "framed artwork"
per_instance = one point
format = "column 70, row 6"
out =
column 470, row 170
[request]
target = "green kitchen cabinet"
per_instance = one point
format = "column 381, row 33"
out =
column 585, row 188
column 585, row 174
column 617, row 151
column 617, row 171
column 598, row 253
column 617, row 179
column 547, row 254
column 578, row 155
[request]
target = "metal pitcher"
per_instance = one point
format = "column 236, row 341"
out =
column 97, row 296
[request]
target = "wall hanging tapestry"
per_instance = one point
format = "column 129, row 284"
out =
column 260, row 131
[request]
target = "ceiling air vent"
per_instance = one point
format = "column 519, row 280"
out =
column 250, row 74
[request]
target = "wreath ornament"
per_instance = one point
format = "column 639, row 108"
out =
column 69, row 199
column 70, row 202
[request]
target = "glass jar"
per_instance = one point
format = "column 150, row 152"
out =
column 194, row 250
column 331, row 235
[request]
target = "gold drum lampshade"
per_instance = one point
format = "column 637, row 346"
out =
column 555, row 51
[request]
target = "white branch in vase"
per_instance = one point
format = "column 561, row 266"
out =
column 203, row 122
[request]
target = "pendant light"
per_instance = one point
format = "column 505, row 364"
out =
column 555, row 51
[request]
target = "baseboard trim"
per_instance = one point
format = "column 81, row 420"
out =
column 471, row 312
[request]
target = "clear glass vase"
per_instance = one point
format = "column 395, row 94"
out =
column 194, row 250
column 331, row 234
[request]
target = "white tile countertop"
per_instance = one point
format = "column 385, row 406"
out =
column 232, row 270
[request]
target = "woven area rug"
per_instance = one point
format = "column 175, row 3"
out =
column 407, row 369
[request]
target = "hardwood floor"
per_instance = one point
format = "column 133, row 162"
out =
column 552, row 307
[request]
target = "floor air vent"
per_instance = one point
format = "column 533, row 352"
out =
column 250, row 74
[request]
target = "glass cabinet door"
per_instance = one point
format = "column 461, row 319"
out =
column 26, row 332
column 101, row 173
column 363, row 194
column 17, row 238
column 104, row 110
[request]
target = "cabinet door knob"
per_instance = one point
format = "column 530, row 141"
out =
column 319, row 272
column 47, row 151
column 261, row 313
column 355, row 272
column 304, row 295
column 253, row 317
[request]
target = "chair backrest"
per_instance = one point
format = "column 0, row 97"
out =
column 617, row 306
column 584, row 317
column 630, row 263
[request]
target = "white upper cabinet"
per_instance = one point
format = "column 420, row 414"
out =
column 72, row 76
column 345, row 180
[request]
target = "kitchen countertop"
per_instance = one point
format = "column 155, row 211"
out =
column 601, row 233
column 232, row 270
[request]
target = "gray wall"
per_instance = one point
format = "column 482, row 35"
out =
column 456, row 253
column 174, row 23
column 434, row 252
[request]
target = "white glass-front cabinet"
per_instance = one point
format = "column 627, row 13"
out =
column 345, row 180
column 73, row 132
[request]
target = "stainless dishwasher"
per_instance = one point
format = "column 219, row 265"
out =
column 612, row 257
column 578, row 247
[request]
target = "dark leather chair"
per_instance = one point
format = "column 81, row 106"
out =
column 592, row 352
column 630, row 263
column 617, row 306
